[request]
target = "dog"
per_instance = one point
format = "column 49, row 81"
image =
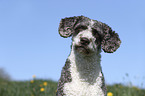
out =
column 82, row 73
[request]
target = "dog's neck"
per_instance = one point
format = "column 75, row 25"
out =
column 88, row 67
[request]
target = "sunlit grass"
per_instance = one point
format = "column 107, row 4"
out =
column 33, row 87
column 37, row 87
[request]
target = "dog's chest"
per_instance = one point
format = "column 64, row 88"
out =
column 83, row 89
column 81, row 86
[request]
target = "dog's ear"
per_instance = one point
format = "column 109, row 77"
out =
column 111, row 41
column 66, row 26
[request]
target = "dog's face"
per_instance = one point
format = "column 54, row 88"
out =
column 89, row 36
column 86, row 39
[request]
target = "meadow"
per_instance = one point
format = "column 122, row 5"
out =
column 38, row 87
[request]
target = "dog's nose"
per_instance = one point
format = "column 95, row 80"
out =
column 84, row 41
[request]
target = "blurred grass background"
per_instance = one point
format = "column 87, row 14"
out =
column 41, row 87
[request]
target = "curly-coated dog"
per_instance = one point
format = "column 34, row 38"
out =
column 82, row 74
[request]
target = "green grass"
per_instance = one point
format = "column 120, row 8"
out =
column 33, row 88
column 27, row 88
column 120, row 90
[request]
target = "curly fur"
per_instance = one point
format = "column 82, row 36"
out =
column 82, row 74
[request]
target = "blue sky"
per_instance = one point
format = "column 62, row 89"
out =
column 30, row 43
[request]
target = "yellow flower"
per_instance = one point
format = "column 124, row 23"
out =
column 45, row 83
column 32, row 81
column 34, row 76
column 56, row 90
column 109, row 94
column 42, row 89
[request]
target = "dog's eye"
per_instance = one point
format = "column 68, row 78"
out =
column 80, row 28
column 95, row 33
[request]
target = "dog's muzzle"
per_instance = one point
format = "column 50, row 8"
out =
column 83, row 46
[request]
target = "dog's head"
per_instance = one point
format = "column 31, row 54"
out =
column 89, row 35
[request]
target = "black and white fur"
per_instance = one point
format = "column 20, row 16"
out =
column 82, row 74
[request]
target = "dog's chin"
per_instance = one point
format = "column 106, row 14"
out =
column 83, row 50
